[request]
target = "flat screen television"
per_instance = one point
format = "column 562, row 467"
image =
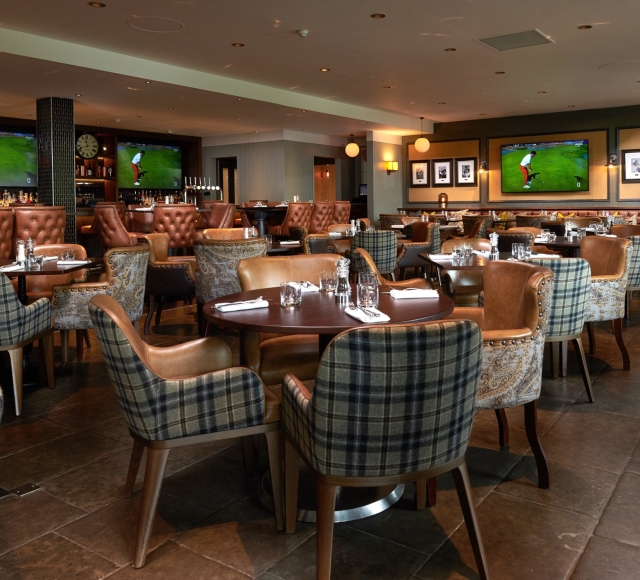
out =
column 545, row 167
column 155, row 167
column 18, row 160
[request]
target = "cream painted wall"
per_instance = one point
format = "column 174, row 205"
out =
column 384, row 191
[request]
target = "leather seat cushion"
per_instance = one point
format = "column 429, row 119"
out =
column 296, row 354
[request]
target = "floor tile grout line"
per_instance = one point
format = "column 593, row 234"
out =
column 88, row 549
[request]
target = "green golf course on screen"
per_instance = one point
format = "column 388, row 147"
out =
column 18, row 160
column 545, row 167
column 149, row 166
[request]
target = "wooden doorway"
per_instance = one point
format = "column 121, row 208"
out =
column 324, row 179
column 228, row 178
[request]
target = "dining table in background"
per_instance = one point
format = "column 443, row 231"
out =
column 260, row 214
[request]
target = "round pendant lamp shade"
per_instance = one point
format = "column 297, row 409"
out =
column 352, row 148
column 422, row 144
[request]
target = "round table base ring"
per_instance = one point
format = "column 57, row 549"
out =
column 352, row 503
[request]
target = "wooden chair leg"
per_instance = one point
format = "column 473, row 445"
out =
column 584, row 370
column 554, row 347
column 159, row 311
column 248, row 454
column 64, row 342
column 463, row 487
column 134, row 465
column 156, row 463
column 291, row 477
column 432, row 491
column 147, row 321
column 592, row 338
column 627, row 304
column 563, row 357
column 46, row 345
column 87, row 340
column 15, row 356
column 617, row 331
column 324, row 528
column 503, row 427
column 79, row 345
column 274, row 450
column 531, row 428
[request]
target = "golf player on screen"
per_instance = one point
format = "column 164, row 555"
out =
column 136, row 164
column 525, row 167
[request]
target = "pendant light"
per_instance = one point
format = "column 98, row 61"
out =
column 422, row 144
column 352, row 148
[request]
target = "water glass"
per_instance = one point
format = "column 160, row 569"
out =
column 247, row 233
column 68, row 255
column 290, row 294
column 515, row 250
column 367, row 293
column 456, row 252
column 524, row 252
column 467, row 250
column 35, row 263
column 268, row 238
column 328, row 281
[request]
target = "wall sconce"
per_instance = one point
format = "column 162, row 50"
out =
column 484, row 166
column 613, row 160
column 391, row 167
column 352, row 149
column 443, row 200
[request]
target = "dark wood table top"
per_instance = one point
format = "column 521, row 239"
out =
column 268, row 209
column 279, row 248
column 50, row 268
column 319, row 313
column 562, row 242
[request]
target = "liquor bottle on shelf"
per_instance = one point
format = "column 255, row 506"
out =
column 110, row 171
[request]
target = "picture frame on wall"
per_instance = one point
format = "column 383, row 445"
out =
column 466, row 172
column 420, row 173
column 441, row 172
column 631, row 166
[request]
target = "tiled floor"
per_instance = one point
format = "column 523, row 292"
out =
column 72, row 441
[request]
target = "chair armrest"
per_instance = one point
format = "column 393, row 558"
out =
column 190, row 359
column 34, row 319
column 468, row 313
column 70, row 304
column 607, row 279
column 507, row 335
column 296, row 400
column 251, row 350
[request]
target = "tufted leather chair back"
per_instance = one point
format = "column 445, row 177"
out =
column 6, row 232
column 557, row 227
column 43, row 224
column 298, row 214
column 223, row 234
column 341, row 212
column 321, row 216
column 269, row 272
column 120, row 206
column 316, row 243
column 110, row 229
column 139, row 221
column 41, row 286
column 178, row 221
column 505, row 239
column 606, row 256
column 222, row 215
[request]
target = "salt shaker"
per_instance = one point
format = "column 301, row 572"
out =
column 494, row 254
column 343, row 288
column 21, row 255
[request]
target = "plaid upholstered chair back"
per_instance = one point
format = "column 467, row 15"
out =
column 159, row 409
column 127, row 272
column 633, row 281
column 571, row 288
column 18, row 323
column 217, row 273
column 396, row 399
column 381, row 245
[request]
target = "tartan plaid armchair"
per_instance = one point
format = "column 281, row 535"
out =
column 633, row 282
column 177, row 396
column 390, row 404
column 19, row 326
column 381, row 245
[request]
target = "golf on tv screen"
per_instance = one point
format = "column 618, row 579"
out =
column 545, row 167
column 149, row 166
column 18, row 160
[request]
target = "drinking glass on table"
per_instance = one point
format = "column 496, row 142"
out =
column 328, row 281
column 68, row 255
column 367, row 293
column 515, row 250
column 545, row 234
column 456, row 252
column 268, row 238
column 524, row 252
column 290, row 294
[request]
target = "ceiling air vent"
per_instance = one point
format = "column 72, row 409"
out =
column 517, row 40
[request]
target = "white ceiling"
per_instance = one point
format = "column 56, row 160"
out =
column 64, row 48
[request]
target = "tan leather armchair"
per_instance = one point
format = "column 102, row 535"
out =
column 625, row 230
column 513, row 320
column 272, row 356
column 610, row 261
column 367, row 264
column 121, row 208
column 221, row 215
column 316, row 243
column 110, row 228
column 166, row 276
column 6, row 233
column 340, row 245
column 43, row 224
column 177, row 221
column 298, row 214
column 425, row 239
column 341, row 212
column 321, row 216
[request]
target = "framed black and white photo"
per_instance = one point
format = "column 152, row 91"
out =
column 631, row 166
column 441, row 172
column 420, row 173
column 466, row 172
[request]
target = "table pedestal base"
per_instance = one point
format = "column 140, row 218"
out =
column 352, row 503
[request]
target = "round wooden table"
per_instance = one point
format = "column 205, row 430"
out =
column 323, row 314
column 261, row 213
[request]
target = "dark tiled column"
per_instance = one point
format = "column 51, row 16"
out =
column 56, row 158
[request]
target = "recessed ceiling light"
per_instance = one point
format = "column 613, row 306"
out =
column 237, row 45
column 442, row 103
column 481, row 114
column 239, row 98
column 147, row 82
column 139, row 116
column 304, row 129
column 78, row 95
column 585, row 27
column 325, row 69
column 500, row 72
column 97, row 122
column 542, row 92
column 303, row 111
column 97, row 4
column 171, row 108
column 450, row 49
column 368, row 123
column 238, row 119
column 29, row 115
column 386, row 87
column 571, row 106
column 378, row 16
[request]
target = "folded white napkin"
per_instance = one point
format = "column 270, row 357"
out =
column 246, row 305
column 49, row 258
column 309, row 287
column 73, row 262
column 540, row 239
column 545, row 256
column 397, row 226
column 413, row 293
column 440, row 256
column 289, row 243
column 144, row 209
column 362, row 317
column 281, row 205
column 335, row 234
column 609, row 236
column 11, row 267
